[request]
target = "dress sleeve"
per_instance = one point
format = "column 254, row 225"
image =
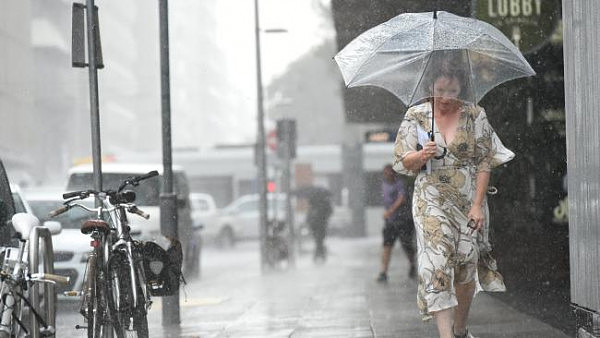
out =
column 489, row 150
column 406, row 141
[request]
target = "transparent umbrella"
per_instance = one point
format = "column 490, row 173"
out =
column 403, row 55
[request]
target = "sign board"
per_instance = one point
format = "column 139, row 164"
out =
column 529, row 24
column 271, row 140
column 380, row 136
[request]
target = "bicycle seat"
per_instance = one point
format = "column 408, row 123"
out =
column 94, row 224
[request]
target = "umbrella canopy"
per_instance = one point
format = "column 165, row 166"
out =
column 314, row 194
column 405, row 54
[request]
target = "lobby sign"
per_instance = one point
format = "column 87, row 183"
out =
column 529, row 24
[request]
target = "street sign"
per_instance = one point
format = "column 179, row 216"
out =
column 271, row 140
column 529, row 24
column 286, row 138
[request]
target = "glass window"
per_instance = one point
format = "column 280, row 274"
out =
column 200, row 205
column 251, row 206
column 19, row 206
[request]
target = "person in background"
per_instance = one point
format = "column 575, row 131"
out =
column 398, row 222
column 317, row 216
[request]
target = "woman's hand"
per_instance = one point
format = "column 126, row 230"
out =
column 428, row 151
column 476, row 215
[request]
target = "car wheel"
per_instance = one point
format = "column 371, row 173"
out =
column 226, row 239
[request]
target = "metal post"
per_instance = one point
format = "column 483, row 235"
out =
column 94, row 106
column 286, row 187
column 168, row 207
column 49, row 313
column 352, row 161
column 261, row 160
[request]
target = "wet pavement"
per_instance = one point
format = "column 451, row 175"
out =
column 339, row 298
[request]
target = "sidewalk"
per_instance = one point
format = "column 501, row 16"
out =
column 337, row 299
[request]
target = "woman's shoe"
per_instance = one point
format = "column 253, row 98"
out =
column 466, row 335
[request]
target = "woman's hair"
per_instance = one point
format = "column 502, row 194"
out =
column 448, row 67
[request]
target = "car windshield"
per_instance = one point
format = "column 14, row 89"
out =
column 147, row 193
column 19, row 206
column 68, row 220
column 200, row 204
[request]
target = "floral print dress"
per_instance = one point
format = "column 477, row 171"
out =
column 447, row 254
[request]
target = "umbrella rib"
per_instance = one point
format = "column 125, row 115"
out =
column 471, row 77
column 508, row 64
column 381, row 44
column 518, row 55
column 412, row 96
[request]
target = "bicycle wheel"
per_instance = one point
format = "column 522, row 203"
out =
column 130, row 320
column 97, row 323
column 12, row 314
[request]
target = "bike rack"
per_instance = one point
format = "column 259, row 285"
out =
column 36, row 234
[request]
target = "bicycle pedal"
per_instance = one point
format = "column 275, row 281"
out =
column 72, row 293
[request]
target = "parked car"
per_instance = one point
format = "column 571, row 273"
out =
column 148, row 200
column 20, row 202
column 241, row 218
column 204, row 209
column 71, row 247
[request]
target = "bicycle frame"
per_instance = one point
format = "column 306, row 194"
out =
column 113, row 249
column 8, row 300
column 23, row 276
column 108, row 246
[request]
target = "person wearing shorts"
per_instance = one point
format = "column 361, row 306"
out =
column 398, row 222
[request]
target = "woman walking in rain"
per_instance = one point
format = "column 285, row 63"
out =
column 440, row 65
column 449, row 204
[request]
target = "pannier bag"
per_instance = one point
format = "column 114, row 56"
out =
column 163, row 268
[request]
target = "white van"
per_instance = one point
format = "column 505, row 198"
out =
column 148, row 200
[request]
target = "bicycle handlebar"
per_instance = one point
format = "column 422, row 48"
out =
column 134, row 181
column 148, row 175
column 137, row 211
column 51, row 277
column 118, row 197
column 58, row 211
column 71, row 203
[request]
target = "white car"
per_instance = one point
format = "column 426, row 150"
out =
column 71, row 247
column 240, row 220
column 21, row 204
column 204, row 209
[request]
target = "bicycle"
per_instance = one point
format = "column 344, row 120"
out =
column 18, row 274
column 115, row 298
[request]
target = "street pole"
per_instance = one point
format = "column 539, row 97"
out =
column 94, row 106
column 168, row 207
column 286, row 143
column 261, row 159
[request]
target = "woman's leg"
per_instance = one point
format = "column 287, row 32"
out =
column 464, row 296
column 444, row 319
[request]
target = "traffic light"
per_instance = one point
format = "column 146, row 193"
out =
column 286, row 138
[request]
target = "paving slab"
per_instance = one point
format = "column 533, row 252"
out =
column 339, row 298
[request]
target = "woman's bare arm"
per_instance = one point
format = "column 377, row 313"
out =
column 416, row 159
